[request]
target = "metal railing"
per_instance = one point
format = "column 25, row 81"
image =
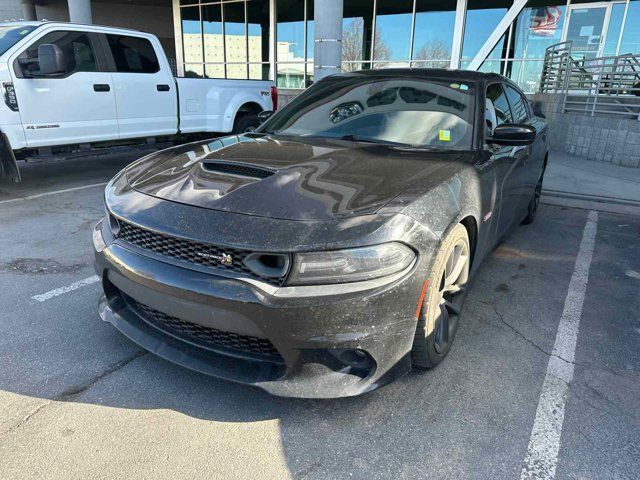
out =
column 601, row 85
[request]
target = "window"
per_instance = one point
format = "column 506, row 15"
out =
column 290, row 49
column 433, row 37
column 9, row 36
column 214, row 53
column 133, row 54
column 76, row 46
column 518, row 105
column 390, row 110
column 228, row 39
column 235, row 40
column 192, row 41
column 357, row 31
column 481, row 20
column 392, row 33
column 497, row 108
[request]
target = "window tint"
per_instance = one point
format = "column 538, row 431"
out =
column 497, row 109
column 133, row 54
column 9, row 36
column 518, row 105
column 415, row 112
column 76, row 46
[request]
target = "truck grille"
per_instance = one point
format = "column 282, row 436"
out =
column 205, row 336
column 190, row 251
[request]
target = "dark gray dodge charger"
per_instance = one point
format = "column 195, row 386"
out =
column 329, row 251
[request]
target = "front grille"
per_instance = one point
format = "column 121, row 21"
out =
column 190, row 251
column 205, row 336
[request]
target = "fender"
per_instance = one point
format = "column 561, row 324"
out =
column 8, row 165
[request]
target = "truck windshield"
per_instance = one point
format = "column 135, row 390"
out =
column 391, row 110
column 10, row 35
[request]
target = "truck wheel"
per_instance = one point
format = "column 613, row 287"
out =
column 446, row 291
column 245, row 123
column 8, row 166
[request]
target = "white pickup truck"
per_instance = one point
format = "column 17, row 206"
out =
column 68, row 87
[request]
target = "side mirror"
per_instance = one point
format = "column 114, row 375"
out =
column 51, row 59
column 265, row 115
column 513, row 134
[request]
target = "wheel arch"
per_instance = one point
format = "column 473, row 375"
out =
column 471, row 225
column 248, row 107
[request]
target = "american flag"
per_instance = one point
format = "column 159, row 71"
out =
column 544, row 21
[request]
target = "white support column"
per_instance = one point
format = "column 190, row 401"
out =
column 327, row 38
column 273, row 44
column 496, row 35
column 177, row 35
column 80, row 11
column 458, row 34
column 29, row 10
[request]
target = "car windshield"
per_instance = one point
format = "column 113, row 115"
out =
column 402, row 111
column 10, row 35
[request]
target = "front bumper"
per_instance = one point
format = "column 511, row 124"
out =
column 326, row 346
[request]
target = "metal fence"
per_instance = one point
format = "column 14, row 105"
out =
column 601, row 85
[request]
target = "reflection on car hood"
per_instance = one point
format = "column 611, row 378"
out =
column 289, row 178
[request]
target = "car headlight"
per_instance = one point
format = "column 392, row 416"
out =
column 350, row 265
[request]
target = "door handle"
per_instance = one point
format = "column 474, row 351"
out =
column 163, row 88
column 101, row 87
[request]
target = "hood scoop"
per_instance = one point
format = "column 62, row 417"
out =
column 239, row 169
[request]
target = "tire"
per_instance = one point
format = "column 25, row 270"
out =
column 245, row 123
column 438, row 319
column 532, row 208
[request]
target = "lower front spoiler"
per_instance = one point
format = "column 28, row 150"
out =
column 311, row 380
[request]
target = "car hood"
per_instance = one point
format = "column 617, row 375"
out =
column 288, row 178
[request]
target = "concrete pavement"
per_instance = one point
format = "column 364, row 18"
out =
column 574, row 181
column 78, row 400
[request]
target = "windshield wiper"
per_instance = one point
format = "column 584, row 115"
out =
column 356, row 138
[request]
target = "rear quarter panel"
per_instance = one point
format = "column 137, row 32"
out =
column 210, row 105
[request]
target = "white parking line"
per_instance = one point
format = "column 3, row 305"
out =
column 544, row 443
column 55, row 192
column 43, row 297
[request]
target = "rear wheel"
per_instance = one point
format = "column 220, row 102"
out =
column 446, row 291
column 245, row 123
column 532, row 209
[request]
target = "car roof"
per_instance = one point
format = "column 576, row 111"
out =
column 59, row 23
column 467, row 76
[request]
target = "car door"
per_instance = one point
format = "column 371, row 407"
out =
column 145, row 90
column 508, row 161
column 532, row 160
column 74, row 106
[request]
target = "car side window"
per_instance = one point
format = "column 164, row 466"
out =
column 497, row 109
column 77, row 47
column 518, row 105
column 133, row 54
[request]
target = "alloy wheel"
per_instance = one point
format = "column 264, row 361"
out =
column 450, row 298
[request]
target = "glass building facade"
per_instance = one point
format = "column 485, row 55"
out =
column 274, row 39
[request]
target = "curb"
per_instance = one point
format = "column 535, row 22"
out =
column 591, row 202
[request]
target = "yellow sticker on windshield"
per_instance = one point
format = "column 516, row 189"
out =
column 444, row 135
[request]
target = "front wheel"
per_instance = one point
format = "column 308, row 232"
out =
column 440, row 310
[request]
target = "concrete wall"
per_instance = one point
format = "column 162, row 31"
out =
column 10, row 10
column 156, row 19
column 600, row 138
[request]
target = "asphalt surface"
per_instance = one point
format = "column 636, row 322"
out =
column 78, row 400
